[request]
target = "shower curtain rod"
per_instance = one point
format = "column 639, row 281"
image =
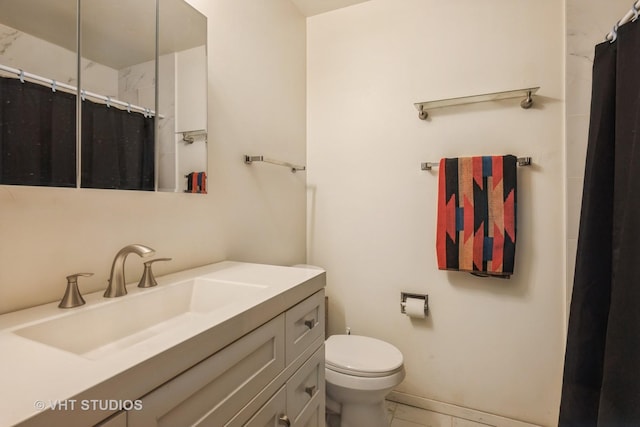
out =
column 631, row 15
column 83, row 93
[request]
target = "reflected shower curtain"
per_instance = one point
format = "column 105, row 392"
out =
column 37, row 135
column 38, row 140
column 117, row 148
column 601, row 384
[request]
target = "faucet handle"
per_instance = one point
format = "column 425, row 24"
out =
column 148, row 280
column 72, row 297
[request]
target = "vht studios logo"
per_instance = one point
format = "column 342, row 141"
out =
column 89, row 405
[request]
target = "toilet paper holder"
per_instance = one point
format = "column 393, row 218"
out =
column 403, row 301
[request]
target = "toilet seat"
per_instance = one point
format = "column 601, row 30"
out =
column 359, row 373
column 362, row 356
column 361, row 383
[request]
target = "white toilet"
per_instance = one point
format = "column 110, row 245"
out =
column 359, row 373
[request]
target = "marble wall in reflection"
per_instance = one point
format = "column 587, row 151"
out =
column 37, row 56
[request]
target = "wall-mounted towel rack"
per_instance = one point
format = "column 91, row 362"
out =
column 526, row 103
column 294, row 168
column 521, row 161
column 188, row 136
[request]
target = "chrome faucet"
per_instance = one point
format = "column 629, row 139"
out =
column 116, row 286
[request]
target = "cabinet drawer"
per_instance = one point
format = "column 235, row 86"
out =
column 214, row 390
column 117, row 420
column 269, row 415
column 315, row 417
column 305, row 388
column 304, row 323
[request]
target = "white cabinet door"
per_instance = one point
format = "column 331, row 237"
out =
column 304, row 325
column 315, row 418
column 272, row 413
column 116, row 420
column 306, row 393
column 214, row 390
column 299, row 403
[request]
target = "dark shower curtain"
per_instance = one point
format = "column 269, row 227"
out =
column 601, row 384
column 37, row 135
column 38, row 140
column 117, row 148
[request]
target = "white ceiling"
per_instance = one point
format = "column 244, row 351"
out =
column 120, row 33
column 116, row 33
column 315, row 7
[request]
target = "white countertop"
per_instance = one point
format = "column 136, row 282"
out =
column 36, row 376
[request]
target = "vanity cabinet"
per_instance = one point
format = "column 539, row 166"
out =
column 117, row 420
column 297, row 403
column 306, row 393
column 273, row 374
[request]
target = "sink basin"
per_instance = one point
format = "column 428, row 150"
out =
column 94, row 332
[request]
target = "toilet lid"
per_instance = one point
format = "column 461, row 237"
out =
column 361, row 356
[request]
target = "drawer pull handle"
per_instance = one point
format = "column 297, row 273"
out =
column 310, row 323
column 284, row 420
column 310, row 390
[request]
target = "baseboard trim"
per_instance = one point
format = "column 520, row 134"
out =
column 456, row 411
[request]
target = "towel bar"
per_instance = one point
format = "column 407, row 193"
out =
column 427, row 166
column 526, row 103
column 294, row 168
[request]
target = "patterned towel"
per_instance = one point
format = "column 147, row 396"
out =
column 196, row 182
column 476, row 229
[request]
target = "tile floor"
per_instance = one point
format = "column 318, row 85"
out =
column 401, row 415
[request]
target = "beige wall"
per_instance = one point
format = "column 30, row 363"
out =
column 253, row 213
column 488, row 344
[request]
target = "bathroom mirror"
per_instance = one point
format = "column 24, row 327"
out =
column 38, row 118
column 143, row 90
column 118, row 76
column 182, row 98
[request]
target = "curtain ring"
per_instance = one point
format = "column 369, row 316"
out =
column 128, row 107
column 108, row 102
column 53, row 85
column 83, row 94
column 614, row 33
column 21, row 76
column 636, row 12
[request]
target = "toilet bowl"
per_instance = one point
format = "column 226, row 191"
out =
column 359, row 373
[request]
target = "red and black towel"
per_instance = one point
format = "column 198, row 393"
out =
column 476, row 229
column 196, row 182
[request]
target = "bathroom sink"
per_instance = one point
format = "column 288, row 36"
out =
column 97, row 331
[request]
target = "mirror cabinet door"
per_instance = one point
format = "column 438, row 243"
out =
column 118, row 69
column 38, row 106
column 182, row 97
column 143, row 94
